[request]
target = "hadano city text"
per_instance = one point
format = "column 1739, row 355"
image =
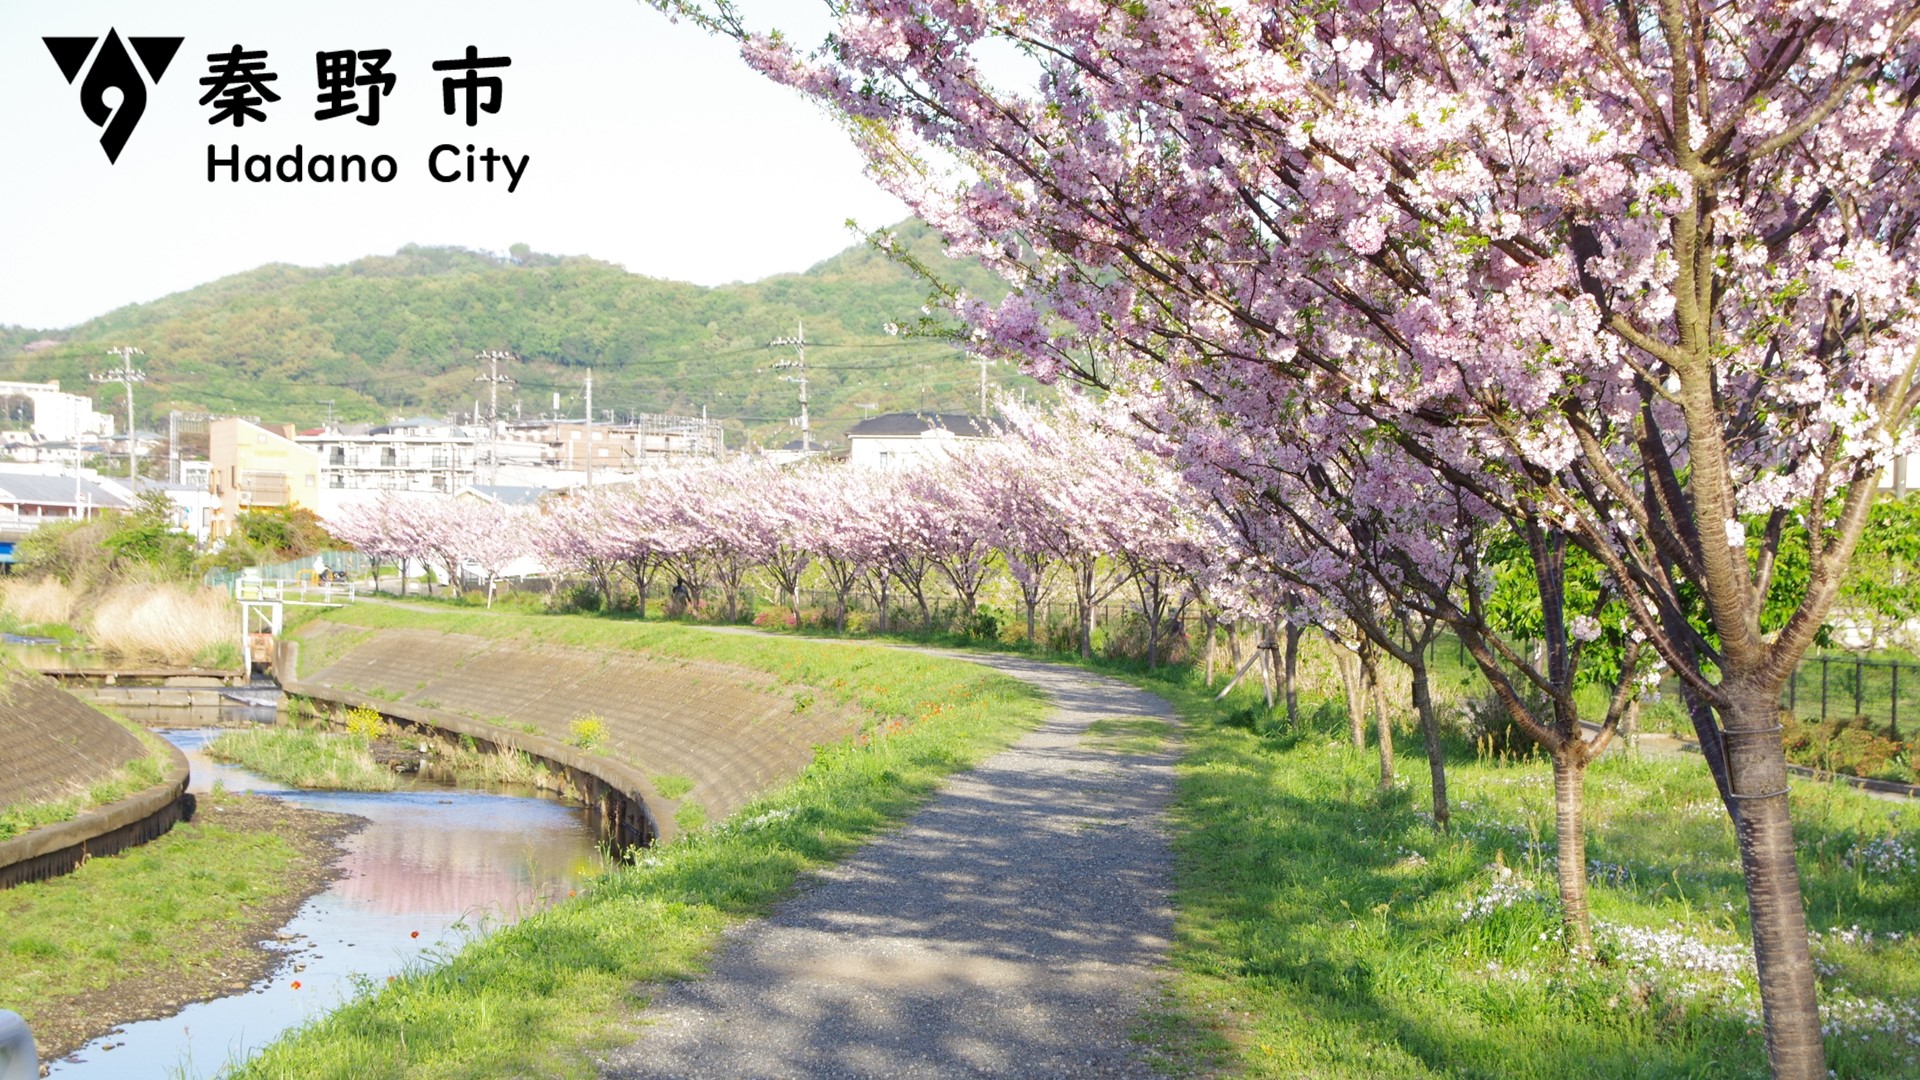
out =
column 446, row 163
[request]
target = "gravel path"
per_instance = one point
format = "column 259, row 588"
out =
column 1012, row 928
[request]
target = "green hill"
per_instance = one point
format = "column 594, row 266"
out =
column 396, row 334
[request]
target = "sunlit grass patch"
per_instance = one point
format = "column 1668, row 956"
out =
column 1128, row 734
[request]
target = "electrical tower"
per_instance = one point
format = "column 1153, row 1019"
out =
column 128, row 375
column 798, row 365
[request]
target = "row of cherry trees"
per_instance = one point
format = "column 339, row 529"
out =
column 454, row 536
column 1062, row 507
column 1628, row 284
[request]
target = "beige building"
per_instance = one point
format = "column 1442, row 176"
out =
column 255, row 465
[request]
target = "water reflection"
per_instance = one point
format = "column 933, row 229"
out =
column 444, row 862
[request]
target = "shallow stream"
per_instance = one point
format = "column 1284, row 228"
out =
column 436, row 866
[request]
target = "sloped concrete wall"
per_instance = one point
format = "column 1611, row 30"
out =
column 733, row 732
column 56, row 747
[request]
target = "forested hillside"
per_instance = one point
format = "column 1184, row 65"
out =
column 396, row 334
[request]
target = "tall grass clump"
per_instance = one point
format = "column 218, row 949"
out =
column 38, row 602
column 305, row 759
column 165, row 622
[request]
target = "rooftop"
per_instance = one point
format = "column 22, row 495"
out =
column 899, row 424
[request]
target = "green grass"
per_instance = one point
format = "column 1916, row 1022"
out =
column 143, row 913
column 305, row 758
column 135, row 776
column 1128, row 734
column 538, row 997
column 1325, row 929
column 672, row 785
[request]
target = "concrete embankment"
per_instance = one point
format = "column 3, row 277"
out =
column 59, row 748
column 652, row 744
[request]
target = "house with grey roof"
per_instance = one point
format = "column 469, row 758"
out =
column 893, row 439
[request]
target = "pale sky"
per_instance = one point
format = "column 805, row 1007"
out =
column 650, row 145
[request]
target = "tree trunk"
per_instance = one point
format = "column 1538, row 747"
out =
column 1569, row 821
column 1383, row 724
column 1265, row 652
column 1153, row 634
column 1630, row 726
column 1290, row 674
column 1032, row 603
column 1430, row 732
column 1356, row 696
column 1757, row 781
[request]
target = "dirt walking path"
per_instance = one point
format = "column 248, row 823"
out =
column 1014, row 927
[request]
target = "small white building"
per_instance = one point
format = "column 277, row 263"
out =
column 890, row 440
column 42, row 410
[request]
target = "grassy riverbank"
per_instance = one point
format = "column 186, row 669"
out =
column 538, row 997
column 179, row 919
column 1325, row 928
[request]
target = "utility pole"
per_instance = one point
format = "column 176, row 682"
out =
column 799, row 366
column 589, row 435
column 493, row 379
column 328, row 402
column 128, row 375
column 984, row 362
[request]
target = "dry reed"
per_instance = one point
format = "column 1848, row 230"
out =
column 165, row 623
column 39, row 601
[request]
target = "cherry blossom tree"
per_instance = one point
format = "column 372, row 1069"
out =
column 1635, row 272
column 957, row 523
column 901, row 516
column 496, row 536
column 838, row 529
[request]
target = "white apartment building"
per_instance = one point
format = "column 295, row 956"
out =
column 41, row 409
column 407, row 455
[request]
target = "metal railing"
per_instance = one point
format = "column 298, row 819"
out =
column 350, row 564
column 1827, row 686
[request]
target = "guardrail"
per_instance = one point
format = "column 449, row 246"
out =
column 295, row 591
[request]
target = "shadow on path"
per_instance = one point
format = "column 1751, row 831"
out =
column 1013, row 927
